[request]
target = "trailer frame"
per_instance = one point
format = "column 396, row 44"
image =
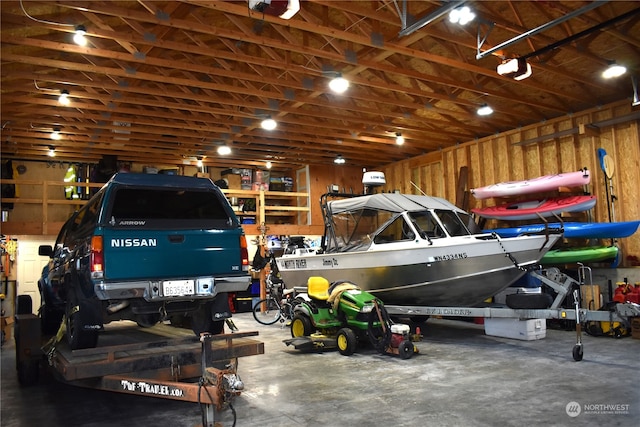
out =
column 171, row 363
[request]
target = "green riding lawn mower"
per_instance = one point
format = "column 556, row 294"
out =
column 341, row 316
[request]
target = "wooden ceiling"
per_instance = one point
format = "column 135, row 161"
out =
column 169, row 81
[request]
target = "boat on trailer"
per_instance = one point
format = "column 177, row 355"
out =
column 413, row 250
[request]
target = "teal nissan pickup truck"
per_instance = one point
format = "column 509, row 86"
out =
column 145, row 248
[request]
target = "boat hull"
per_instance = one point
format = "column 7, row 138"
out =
column 463, row 272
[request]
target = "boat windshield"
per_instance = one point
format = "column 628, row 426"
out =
column 352, row 230
column 455, row 223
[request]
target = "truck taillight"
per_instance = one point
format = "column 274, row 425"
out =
column 244, row 253
column 97, row 256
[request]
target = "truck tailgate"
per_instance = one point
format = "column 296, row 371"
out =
column 151, row 254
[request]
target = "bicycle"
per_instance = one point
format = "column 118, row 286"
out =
column 279, row 303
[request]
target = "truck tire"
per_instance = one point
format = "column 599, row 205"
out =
column 24, row 304
column 77, row 337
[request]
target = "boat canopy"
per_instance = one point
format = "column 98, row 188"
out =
column 391, row 202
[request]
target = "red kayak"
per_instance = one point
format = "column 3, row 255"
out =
column 534, row 209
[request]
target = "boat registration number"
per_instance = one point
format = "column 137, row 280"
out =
column 178, row 288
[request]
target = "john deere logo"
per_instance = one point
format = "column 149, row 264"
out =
column 573, row 409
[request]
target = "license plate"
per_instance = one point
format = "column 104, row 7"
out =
column 177, row 288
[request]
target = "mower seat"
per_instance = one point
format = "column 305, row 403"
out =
column 318, row 288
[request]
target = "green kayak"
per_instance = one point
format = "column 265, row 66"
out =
column 586, row 255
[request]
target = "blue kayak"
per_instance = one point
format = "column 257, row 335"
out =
column 575, row 230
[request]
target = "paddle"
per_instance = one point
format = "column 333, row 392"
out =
column 607, row 166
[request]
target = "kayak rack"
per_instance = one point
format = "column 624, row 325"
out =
column 559, row 282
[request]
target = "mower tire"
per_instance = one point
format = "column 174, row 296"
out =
column 347, row 341
column 301, row 326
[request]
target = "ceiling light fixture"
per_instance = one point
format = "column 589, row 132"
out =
column 484, row 110
column 461, row 15
column 339, row 84
column 614, row 70
column 636, row 96
column 64, row 97
column 515, row 68
column 268, row 124
column 79, row 37
column 199, row 162
column 268, row 165
column 399, row 138
column 56, row 134
column 52, row 151
column 284, row 9
column 224, row 150
column 339, row 160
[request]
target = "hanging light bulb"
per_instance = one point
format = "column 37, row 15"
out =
column 224, row 150
column 339, row 84
column 614, row 70
column 199, row 162
column 484, row 110
column 461, row 15
column 55, row 135
column 399, row 138
column 339, row 160
column 268, row 165
column 52, row 151
column 268, row 124
column 64, row 97
column 79, row 37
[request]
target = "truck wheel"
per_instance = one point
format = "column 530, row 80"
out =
column 24, row 304
column 77, row 337
column 301, row 326
column 347, row 341
column 28, row 372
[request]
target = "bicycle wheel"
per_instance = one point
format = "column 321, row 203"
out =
column 266, row 311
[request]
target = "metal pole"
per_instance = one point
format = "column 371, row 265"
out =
column 541, row 28
column 426, row 20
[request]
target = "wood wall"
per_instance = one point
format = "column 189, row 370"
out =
column 565, row 144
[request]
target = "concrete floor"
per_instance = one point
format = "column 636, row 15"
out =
column 460, row 378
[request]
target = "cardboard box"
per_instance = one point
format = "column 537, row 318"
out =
column 526, row 330
column 6, row 323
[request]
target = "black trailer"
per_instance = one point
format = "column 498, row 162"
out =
column 162, row 361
